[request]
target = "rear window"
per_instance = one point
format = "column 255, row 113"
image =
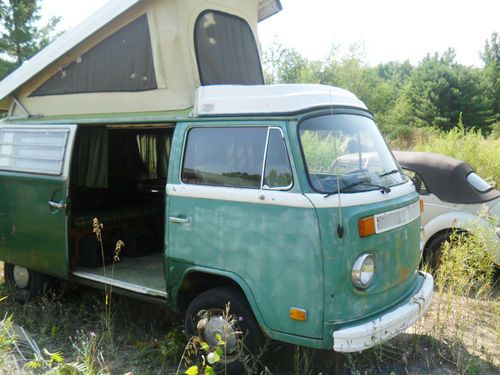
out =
column 34, row 151
column 234, row 157
column 478, row 183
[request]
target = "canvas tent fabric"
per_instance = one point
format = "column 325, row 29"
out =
column 445, row 177
column 73, row 75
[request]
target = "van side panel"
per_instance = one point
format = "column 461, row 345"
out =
column 32, row 234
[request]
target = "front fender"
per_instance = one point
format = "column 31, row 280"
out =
column 238, row 280
column 460, row 220
column 449, row 220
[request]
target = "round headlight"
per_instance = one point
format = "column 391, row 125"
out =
column 363, row 271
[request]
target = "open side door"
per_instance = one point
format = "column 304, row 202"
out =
column 34, row 170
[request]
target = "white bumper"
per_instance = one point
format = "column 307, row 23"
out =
column 364, row 336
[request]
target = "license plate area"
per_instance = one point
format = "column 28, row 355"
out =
column 396, row 218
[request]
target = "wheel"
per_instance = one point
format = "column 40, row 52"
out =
column 207, row 319
column 27, row 284
column 432, row 253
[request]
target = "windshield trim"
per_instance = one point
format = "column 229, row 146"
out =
column 338, row 111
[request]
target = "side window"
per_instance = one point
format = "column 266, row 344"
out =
column 34, row 151
column 234, row 157
column 226, row 50
column 123, row 62
column 417, row 181
column 224, row 156
column 278, row 171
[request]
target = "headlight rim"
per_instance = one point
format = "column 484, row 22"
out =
column 357, row 269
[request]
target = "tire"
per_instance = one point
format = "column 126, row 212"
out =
column 31, row 285
column 211, row 304
column 432, row 253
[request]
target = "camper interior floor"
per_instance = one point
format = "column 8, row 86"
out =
column 143, row 275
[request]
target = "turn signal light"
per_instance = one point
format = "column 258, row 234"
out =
column 421, row 206
column 298, row 314
column 366, row 226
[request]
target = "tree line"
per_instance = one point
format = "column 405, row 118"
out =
column 438, row 92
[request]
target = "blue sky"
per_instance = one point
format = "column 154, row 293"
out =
column 388, row 29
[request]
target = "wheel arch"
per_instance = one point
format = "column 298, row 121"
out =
column 196, row 280
column 446, row 223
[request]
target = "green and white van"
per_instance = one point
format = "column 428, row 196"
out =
column 243, row 201
column 284, row 200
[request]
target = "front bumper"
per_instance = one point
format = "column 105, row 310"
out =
column 386, row 326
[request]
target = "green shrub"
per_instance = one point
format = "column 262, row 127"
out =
column 483, row 154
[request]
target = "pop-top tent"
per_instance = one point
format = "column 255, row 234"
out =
column 141, row 56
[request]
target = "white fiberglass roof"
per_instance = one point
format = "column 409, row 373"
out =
column 233, row 99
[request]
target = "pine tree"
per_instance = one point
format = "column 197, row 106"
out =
column 21, row 36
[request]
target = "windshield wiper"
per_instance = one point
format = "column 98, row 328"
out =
column 384, row 189
column 388, row 173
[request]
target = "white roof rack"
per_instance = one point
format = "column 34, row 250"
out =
column 269, row 99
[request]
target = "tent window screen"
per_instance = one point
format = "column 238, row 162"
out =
column 123, row 62
column 34, row 151
column 226, row 50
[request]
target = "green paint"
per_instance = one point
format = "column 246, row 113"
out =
column 33, row 234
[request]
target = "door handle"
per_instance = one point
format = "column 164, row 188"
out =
column 179, row 220
column 58, row 205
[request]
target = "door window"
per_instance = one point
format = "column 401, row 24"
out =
column 32, row 150
column 234, row 157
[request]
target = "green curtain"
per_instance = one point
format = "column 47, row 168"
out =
column 154, row 150
column 90, row 158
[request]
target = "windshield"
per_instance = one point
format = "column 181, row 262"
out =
column 349, row 149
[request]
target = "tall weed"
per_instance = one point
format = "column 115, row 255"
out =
column 464, row 283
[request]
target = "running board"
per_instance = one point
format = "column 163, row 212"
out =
column 121, row 284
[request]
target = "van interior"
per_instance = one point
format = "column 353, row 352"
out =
column 118, row 176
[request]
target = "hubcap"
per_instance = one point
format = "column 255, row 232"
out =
column 21, row 277
column 219, row 327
